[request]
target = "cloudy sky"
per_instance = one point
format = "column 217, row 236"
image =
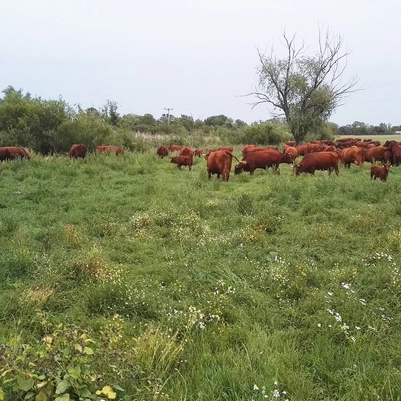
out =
column 196, row 57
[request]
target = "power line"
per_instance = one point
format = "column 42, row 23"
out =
column 168, row 115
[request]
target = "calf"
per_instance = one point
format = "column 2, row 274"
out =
column 379, row 172
column 182, row 161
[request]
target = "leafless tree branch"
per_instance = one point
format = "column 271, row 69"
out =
column 307, row 87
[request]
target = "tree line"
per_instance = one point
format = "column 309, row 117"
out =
column 51, row 126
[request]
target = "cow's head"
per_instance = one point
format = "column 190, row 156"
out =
column 287, row 158
column 239, row 168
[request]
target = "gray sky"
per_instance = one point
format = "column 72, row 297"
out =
column 197, row 57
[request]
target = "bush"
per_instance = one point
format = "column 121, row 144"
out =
column 264, row 134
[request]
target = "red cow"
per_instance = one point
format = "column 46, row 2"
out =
column 318, row 161
column 174, row 148
column 162, row 151
column 379, row 172
column 219, row 162
column 253, row 148
column 267, row 158
column 362, row 144
column 395, row 150
column 186, row 151
column 290, row 150
column 78, row 151
column 182, row 161
column 378, row 153
column 110, row 149
column 226, row 148
column 303, row 149
column 12, row 153
column 198, row 152
column 354, row 154
column 248, row 148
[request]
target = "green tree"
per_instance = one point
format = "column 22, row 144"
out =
column 186, row 121
column 147, row 119
column 109, row 111
column 219, row 121
column 239, row 123
column 31, row 122
column 303, row 89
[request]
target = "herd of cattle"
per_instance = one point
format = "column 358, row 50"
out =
column 317, row 155
column 77, row 151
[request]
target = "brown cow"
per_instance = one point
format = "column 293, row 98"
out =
column 290, row 150
column 379, row 172
column 318, row 161
column 378, row 153
column 12, row 153
column 198, row 152
column 253, row 148
column 395, row 150
column 162, row 151
column 354, row 154
column 182, row 161
column 248, row 148
column 219, row 162
column 303, row 149
column 226, row 148
column 267, row 158
column 78, row 151
column 186, row 151
column 174, row 148
column 110, row 149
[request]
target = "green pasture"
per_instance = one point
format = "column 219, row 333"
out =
column 381, row 138
column 125, row 278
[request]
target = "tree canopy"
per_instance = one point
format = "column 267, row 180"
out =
column 304, row 89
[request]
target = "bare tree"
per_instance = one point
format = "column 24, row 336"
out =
column 305, row 90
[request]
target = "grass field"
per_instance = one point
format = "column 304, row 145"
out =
column 381, row 138
column 125, row 278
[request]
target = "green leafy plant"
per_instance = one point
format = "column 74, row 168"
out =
column 62, row 369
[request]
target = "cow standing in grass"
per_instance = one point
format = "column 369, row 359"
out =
column 110, row 149
column 380, row 172
column 182, row 161
column 78, row 151
column 219, row 162
column 318, row 161
column 162, row 152
column 13, row 153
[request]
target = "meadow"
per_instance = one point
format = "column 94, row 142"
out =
column 381, row 138
column 125, row 278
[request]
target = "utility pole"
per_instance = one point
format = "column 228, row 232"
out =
column 168, row 115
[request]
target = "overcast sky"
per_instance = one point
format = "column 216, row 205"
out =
column 196, row 57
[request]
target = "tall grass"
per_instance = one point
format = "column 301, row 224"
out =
column 267, row 286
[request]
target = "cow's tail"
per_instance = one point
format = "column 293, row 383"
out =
column 232, row 156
